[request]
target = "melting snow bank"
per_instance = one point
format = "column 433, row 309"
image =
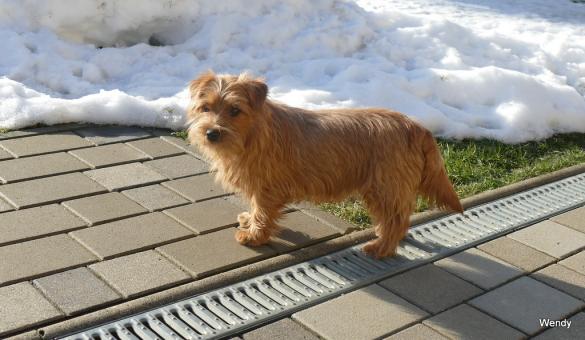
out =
column 476, row 68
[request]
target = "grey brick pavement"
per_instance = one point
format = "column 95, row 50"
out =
column 23, row 306
column 367, row 313
column 196, row 188
column 77, row 290
column 480, row 268
column 125, row 176
column 103, row 208
column 207, row 216
column 100, row 135
column 49, row 190
column 54, row 264
column 522, row 302
column 431, row 288
column 26, row 224
column 131, row 235
column 155, row 197
column 139, row 273
column 41, row 144
column 47, row 255
column 155, row 148
column 106, row 155
column 39, row 166
column 465, row 322
column 198, row 255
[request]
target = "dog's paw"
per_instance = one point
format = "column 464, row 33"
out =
column 252, row 237
column 377, row 249
column 244, row 220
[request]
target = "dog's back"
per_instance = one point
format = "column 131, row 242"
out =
column 352, row 148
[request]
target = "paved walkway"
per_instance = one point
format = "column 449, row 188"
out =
column 501, row 289
column 94, row 216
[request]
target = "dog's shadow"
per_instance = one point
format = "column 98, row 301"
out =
column 287, row 239
column 491, row 295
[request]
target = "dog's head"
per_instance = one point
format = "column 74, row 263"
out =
column 224, row 111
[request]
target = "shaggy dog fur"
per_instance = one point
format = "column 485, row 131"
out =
column 275, row 154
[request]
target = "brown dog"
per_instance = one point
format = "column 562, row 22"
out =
column 276, row 154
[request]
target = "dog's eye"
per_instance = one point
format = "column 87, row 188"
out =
column 234, row 111
column 205, row 109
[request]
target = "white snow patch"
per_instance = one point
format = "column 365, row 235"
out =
column 502, row 69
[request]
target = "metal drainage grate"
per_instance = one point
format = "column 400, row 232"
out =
column 236, row 308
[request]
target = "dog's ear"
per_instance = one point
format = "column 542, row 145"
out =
column 257, row 91
column 197, row 84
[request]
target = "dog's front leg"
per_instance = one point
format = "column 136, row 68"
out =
column 257, row 226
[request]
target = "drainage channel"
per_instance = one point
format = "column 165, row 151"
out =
column 234, row 309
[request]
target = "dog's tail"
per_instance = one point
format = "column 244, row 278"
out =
column 435, row 184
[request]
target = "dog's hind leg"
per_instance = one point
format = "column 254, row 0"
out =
column 257, row 226
column 391, row 215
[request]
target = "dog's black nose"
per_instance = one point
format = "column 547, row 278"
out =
column 212, row 135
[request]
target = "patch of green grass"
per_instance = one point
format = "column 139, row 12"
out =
column 4, row 130
column 180, row 134
column 479, row 165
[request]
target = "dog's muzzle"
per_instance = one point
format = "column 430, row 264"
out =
column 212, row 135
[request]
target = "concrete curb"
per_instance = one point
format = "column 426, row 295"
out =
column 189, row 289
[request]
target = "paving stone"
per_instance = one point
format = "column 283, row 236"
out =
column 125, row 176
column 139, row 273
column 30, row 335
column 212, row 253
column 196, row 188
column 178, row 166
column 563, row 278
column 156, row 148
column 238, row 200
column 49, row 190
column 56, row 128
column 326, row 218
column 5, row 155
column 575, row 262
column 131, row 234
column 25, row 224
column 76, row 290
column 17, row 134
column 100, row 135
column 22, row 306
column 417, row 332
column 431, row 288
column 574, row 219
column 107, row 155
column 36, row 145
column 104, row 208
column 465, row 322
column 480, row 268
column 551, row 238
column 367, row 313
column 155, row 197
column 575, row 331
column 285, row 329
column 207, row 216
column 516, row 253
column 44, row 256
column 5, row 206
column 522, row 302
column 299, row 230
column 39, row 166
column 182, row 144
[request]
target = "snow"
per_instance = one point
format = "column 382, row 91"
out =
column 502, row 69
